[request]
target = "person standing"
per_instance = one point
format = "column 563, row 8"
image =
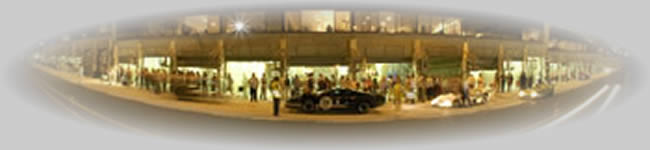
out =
column 310, row 84
column 275, row 90
column 510, row 80
column 428, row 86
column 229, row 83
column 204, row 82
column 503, row 80
column 263, row 87
column 383, row 86
column 465, row 90
column 523, row 81
column 321, row 83
column 216, row 85
column 297, row 84
column 253, row 83
column 437, row 87
column 398, row 93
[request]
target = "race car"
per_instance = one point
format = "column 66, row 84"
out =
column 477, row 96
column 188, row 92
column 334, row 99
column 446, row 100
column 539, row 91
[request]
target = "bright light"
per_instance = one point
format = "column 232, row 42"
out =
column 534, row 94
column 239, row 26
column 522, row 93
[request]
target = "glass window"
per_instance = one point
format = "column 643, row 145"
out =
column 343, row 23
column 452, row 26
column 317, row 20
column 274, row 21
column 365, row 22
column 292, row 21
column 214, row 24
column 245, row 22
column 157, row 27
column 196, row 24
column 430, row 24
column 406, row 23
column 437, row 25
column 531, row 34
column 230, row 22
column 387, row 22
column 254, row 21
column 424, row 24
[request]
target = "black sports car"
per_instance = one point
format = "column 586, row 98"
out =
column 361, row 102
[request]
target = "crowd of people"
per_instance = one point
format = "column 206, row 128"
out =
column 161, row 80
column 420, row 88
column 258, row 87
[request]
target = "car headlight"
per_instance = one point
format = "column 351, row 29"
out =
column 533, row 94
column 522, row 93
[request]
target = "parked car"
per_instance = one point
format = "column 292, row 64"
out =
column 361, row 102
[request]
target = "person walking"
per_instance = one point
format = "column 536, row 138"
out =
column 275, row 90
column 253, row 84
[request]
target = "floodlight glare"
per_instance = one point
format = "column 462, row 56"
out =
column 239, row 26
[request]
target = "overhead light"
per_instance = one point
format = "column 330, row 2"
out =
column 239, row 26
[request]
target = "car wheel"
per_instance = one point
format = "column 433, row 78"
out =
column 308, row 106
column 456, row 103
column 363, row 107
column 326, row 103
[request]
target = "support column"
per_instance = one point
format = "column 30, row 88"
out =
column 116, row 55
column 172, row 56
column 113, row 44
column 284, row 67
column 353, row 55
column 546, row 39
column 463, row 64
column 524, row 61
column 364, row 66
column 500, row 70
column 179, row 27
column 417, row 55
column 221, row 58
column 140, row 63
